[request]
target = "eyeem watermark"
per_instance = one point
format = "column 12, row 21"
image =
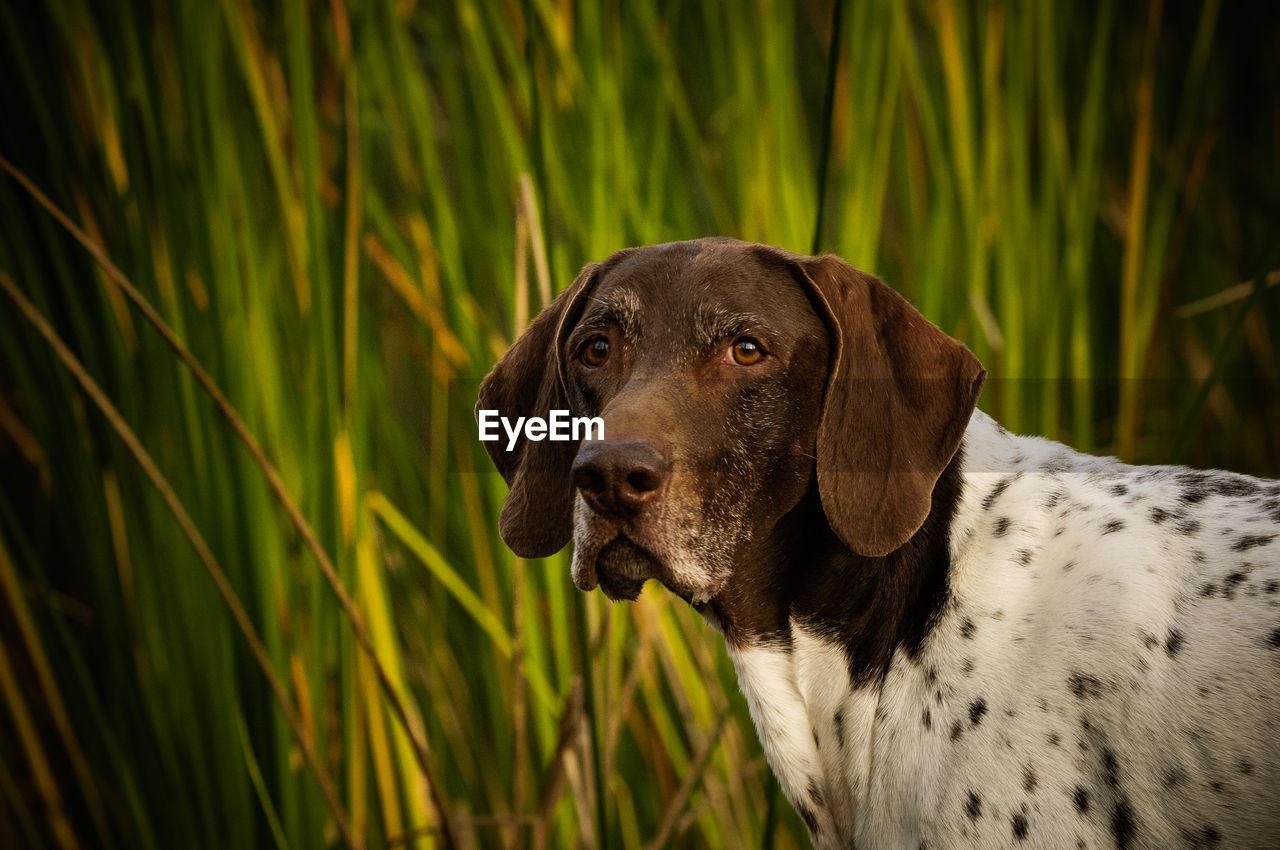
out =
column 559, row 425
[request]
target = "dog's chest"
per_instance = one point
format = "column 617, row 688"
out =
column 814, row 728
column 851, row 758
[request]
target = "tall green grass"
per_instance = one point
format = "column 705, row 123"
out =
column 250, row 585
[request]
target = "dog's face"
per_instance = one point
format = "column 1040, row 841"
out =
column 708, row 372
column 731, row 378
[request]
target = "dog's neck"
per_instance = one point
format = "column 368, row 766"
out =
column 801, row 572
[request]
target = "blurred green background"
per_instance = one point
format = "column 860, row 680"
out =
column 343, row 212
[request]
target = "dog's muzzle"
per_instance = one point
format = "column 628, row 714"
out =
column 619, row 480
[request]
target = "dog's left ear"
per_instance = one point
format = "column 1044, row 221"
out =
column 899, row 396
column 536, row 519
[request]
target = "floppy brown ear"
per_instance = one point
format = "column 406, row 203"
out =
column 536, row 518
column 898, row 399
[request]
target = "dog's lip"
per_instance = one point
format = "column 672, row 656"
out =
column 626, row 584
column 586, row 579
column 586, row 568
column 585, row 572
column 586, row 575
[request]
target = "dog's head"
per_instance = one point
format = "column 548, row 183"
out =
column 731, row 379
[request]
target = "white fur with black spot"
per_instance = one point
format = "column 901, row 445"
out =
column 1106, row 670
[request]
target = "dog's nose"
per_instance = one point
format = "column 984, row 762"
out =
column 618, row 478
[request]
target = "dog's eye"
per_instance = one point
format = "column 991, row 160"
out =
column 746, row 352
column 595, row 352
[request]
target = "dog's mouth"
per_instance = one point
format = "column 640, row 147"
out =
column 622, row 566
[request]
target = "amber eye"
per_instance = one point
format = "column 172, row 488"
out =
column 595, row 352
column 746, row 352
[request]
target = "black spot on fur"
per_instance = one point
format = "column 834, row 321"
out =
column 1068, row 566
column 1025, row 556
column 1113, row 526
column 1159, row 515
column 1274, row 639
column 1189, row 527
column 1020, row 827
column 815, row 740
column 838, row 722
column 1149, row 640
column 927, row 719
column 1173, row 643
column 1209, row 836
column 976, row 709
column 1084, row 686
column 1174, row 776
column 1231, row 486
column 973, row 806
column 1251, row 541
column 968, row 666
column 967, row 628
column 1208, row 589
column 1217, row 787
column 1194, row 494
column 810, row 820
column 1119, row 489
column 997, row 491
column 1081, row 799
column 1271, row 586
column 1111, row 768
column 1000, row 527
column 816, row 796
column 1029, row 779
column 1231, row 582
column 956, row 729
column 1245, row 767
column 1054, row 739
column 1057, row 464
column 1122, row 824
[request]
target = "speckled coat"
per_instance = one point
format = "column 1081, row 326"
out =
column 1105, row 671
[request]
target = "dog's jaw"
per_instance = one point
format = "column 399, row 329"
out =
column 620, row 559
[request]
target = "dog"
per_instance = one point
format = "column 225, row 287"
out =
column 947, row 635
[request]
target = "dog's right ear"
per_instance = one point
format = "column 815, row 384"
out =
column 536, row 519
